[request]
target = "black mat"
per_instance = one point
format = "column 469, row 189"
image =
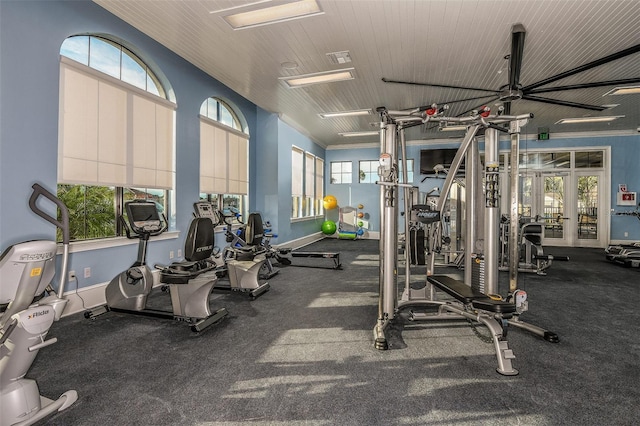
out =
column 303, row 354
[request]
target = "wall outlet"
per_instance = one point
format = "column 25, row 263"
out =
column 626, row 234
column 87, row 272
column 179, row 253
column 72, row 275
column 171, row 254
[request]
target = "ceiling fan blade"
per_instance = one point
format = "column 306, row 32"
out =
column 585, row 67
column 564, row 103
column 515, row 58
column 443, row 86
column 470, row 99
column 585, row 85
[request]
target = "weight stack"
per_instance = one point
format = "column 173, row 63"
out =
column 477, row 273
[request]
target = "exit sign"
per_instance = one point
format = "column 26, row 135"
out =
column 543, row 133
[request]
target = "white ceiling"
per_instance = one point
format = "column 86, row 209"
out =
column 450, row 42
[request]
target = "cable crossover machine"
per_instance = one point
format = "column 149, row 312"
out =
column 476, row 298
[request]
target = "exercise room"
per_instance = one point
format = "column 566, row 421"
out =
column 319, row 212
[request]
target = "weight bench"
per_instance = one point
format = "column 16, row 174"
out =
column 469, row 296
column 492, row 313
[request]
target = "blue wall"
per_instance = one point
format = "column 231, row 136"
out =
column 31, row 33
column 625, row 168
column 289, row 137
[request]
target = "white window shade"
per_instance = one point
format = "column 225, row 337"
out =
column 309, row 175
column 238, row 164
column 224, row 155
column 111, row 135
column 297, row 175
column 319, row 194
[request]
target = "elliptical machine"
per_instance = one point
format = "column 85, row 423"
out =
column 129, row 290
column 26, row 270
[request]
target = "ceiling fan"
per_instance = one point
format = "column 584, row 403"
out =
column 514, row 90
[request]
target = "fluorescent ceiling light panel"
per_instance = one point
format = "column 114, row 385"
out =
column 239, row 6
column 274, row 14
column 352, row 113
column 627, row 90
column 356, row 134
column 320, row 77
column 604, row 119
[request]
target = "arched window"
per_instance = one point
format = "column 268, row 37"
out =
column 224, row 156
column 112, row 58
column 116, row 138
column 218, row 110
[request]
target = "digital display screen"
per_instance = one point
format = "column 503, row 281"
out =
column 143, row 215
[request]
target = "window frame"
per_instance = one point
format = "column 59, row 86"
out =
column 159, row 96
column 306, row 203
column 333, row 176
column 238, row 130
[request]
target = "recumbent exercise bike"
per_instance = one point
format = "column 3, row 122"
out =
column 189, row 283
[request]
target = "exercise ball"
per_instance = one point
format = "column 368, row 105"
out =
column 330, row 202
column 360, row 215
column 361, row 206
column 360, row 223
column 329, row 227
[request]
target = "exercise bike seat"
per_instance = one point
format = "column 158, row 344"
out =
column 198, row 249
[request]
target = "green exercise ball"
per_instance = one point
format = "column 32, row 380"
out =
column 329, row 227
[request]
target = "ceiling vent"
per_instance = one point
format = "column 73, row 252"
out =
column 339, row 58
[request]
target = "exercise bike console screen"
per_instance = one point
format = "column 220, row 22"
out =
column 204, row 209
column 143, row 216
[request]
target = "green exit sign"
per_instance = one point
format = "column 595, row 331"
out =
column 543, row 133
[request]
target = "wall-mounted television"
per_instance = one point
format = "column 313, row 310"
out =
column 429, row 158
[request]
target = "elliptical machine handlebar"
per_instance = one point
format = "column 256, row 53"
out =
column 63, row 224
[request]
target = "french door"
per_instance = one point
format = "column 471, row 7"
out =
column 590, row 222
column 543, row 198
column 568, row 203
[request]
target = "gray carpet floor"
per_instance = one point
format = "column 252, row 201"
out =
column 303, row 354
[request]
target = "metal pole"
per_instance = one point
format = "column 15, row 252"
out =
column 390, row 224
column 514, row 245
column 381, row 264
column 407, row 214
column 471, row 217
